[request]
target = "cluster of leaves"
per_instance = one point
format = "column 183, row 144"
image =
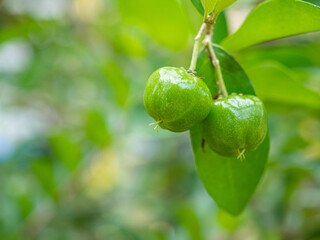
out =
column 229, row 182
column 77, row 158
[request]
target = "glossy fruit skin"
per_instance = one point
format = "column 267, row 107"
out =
column 177, row 99
column 235, row 124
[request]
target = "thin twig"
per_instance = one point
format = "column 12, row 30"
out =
column 196, row 48
column 215, row 62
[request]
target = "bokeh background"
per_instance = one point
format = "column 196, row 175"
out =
column 77, row 157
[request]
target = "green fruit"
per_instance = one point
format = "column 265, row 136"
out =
column 176, row 99
column 235, row 124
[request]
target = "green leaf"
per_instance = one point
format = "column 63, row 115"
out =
column 44, row 172
column 218, row 7
column 291, row 56
column 66, row 151
column 198, row 5
column 119, row 83
column 220, row 30
column 25, row 205
column 228, row 221
column 222, row 5
column 164, row 20
column 128, row 43
column 96, row 129
column 20, row 30
column 189, row 219
column 230, row 182
column 315, row 2
column 273, row 20
column 276, row 83
column 209, row 5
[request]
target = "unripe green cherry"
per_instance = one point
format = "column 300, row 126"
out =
column 176, row 99
column 235, row 125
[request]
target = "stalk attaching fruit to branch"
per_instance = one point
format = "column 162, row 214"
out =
column 196, row 48
column 207, row 29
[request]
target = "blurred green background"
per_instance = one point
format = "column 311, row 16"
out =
column 77, row 157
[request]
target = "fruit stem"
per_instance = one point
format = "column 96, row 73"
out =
column 207, row 27
column 213, row 58
column 196, row 48
column 157, row 125
column 241, row 155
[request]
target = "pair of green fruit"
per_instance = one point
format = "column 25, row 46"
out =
column 178, row 101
